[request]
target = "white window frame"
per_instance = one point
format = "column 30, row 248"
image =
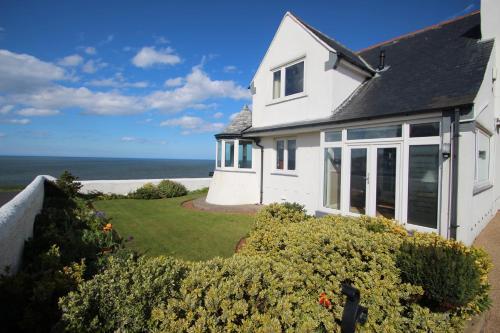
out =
column 282, row 68
column 285, row 156
column 235, row 167
column 404, row 141
column 481, row 185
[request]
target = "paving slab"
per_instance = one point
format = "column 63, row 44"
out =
column 489, row 239
column 202, row 204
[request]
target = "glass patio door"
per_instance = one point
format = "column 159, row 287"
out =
column 373, row 184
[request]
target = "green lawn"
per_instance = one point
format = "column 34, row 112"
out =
column 164, row 227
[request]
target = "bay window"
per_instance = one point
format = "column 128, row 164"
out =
column 233, row 154
column 219, row 153
column 229, row 154
column 245, row 154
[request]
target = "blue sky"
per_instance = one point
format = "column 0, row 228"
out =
column 157, row 79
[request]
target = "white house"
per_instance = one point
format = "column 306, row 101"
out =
column 407, row 129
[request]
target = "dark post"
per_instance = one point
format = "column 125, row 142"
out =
column 353, row 312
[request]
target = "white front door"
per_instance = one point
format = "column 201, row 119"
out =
column 373, row 180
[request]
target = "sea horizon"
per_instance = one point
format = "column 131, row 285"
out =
column 20, row 170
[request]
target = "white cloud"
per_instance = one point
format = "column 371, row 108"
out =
column 118, row 81
column 160, row 40
column 92, row 66
column 18, row 121
column 191, row 124
column 197, row 89
column 6, row 109
column 232, row 116
column 71, row 60
column 32, row 112
column 128, row 139
column 149, row 56
column 174, row 82
column 230, row 69
column 21, row 72
column 28, row 82
column 218, row 115
column 90, row 50
column 100, row 103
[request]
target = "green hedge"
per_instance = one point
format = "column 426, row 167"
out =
column 275, row 282
column 165, row 189
column 122, row 297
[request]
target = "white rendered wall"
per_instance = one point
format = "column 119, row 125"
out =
column 324, row 89
column 476, row 210
column 302, row 185
column 130, row 185
column 16, row 223
column 234, row 187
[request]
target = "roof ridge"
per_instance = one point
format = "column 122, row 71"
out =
column 416, row 32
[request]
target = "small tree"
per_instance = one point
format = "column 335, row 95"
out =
column 68, row 184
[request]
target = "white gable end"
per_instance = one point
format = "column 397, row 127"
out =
column 324, row 88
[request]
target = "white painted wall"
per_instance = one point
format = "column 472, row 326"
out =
column 476, row 210
column 16, row 223
column 234, row 187
column 302, row 185
column 130, row 185
column 324, row 89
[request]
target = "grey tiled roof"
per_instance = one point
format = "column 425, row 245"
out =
column 342, row 50
column 438, row 68
column 241, row 122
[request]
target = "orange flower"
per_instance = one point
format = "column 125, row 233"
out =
column 108, row 227
column 325, row 301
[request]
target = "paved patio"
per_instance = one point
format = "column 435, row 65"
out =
column 201, row 204
column 489, row 239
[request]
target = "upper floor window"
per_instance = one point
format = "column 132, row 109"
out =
column 277, row 84
column 293, row 80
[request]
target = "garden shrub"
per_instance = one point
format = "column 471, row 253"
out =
column 147, row 191
column 244, row 294
column 68, row 184
column 122, row 297
column 165, row 189
column 290, row 263
column 447, row 271
column 280, row 213
column 171, row 189
column 70, row 243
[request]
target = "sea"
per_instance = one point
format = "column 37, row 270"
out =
column 21, row 170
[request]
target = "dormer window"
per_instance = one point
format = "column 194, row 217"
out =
column 293, row 82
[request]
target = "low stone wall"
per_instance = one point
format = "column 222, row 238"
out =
column 16, row 223
column 130, row 185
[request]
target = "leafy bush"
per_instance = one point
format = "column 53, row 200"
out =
column 165, row 189
column 275, row 282
column 70, row 243
column 445, row 270
column 280, row 213
column 147, row 191
column 68, row 184
column 171, row 189
column 123, row 296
